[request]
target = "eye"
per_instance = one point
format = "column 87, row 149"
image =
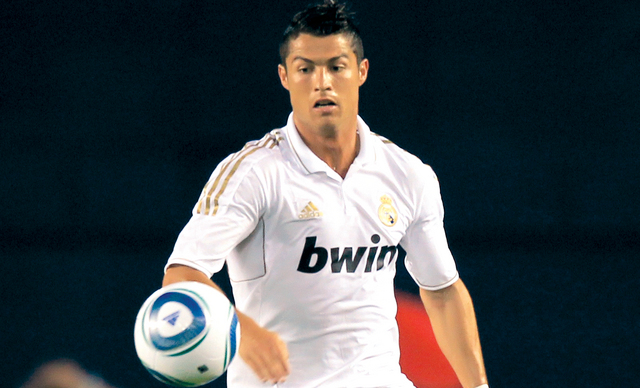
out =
column 338, row 67
column 303, row 70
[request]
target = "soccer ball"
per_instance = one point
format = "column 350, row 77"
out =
column 186, row 334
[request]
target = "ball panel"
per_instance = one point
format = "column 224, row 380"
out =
column 190, row 348
column 233, row 338
column 170, row 380
column 174, row 320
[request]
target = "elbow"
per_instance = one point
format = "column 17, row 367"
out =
column 439, row 299
column 180, row 273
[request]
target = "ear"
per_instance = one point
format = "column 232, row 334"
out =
column 284, row 79
column 363, row 70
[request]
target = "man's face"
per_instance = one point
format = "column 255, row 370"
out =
column 323, row 78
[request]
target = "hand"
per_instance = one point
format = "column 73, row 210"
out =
column 264, row 351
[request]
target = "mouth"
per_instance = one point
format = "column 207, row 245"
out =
column 325, row 104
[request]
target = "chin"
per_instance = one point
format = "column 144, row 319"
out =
column 328, row 124
column 328, row 129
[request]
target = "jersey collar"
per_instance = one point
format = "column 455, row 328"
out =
column 313, row 163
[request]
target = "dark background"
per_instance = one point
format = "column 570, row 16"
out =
column 114, row 113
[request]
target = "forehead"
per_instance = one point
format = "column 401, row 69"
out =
column 320, row 47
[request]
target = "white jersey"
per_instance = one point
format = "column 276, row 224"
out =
column 312, row 256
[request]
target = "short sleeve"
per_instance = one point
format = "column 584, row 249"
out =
column 429, row 260
column 209, row 237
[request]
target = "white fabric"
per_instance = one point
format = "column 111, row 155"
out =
column 312, row 256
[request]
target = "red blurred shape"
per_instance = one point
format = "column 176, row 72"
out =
column 420, row 356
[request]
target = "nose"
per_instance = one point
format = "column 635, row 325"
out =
column 323, row 79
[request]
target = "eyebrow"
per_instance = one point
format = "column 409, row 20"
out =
column 310, row 61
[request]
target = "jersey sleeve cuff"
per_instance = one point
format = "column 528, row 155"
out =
column 190, row 264
column 439, row 286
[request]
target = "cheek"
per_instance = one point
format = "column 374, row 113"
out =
column 299, row 89
column 351, row 92
column 295, row 92
column 297, row 97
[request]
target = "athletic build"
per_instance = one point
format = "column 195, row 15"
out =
column 311, row 221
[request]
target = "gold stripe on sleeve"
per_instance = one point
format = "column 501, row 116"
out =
column 382, row 138
column 211, row 186
column 206, row 200
column 235, row 168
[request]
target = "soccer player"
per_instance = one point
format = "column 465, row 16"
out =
column 311, row 220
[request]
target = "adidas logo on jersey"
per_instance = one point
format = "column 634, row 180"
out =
column 309, row 211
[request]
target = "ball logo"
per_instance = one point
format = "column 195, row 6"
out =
column 386, row 212
column 175, row 319
column 172, row 318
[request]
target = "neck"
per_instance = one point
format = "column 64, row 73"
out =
column 337, row 148
column 339, row 156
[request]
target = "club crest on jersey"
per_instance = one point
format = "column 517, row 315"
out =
column 386, row 212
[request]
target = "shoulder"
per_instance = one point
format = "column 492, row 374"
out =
column 401, row 161
column 256, row 151
column 256, row 155
column 246, row 167
column 415, row 179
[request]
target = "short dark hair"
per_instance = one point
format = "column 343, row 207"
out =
column 323, row 19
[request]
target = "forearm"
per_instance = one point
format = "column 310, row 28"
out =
column 263, row 350
column 181, row 273
column 454, row 325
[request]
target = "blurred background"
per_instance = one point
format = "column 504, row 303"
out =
column 113, row 114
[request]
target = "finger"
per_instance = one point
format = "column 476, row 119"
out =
column 260, row 368
column 269, row 366
column 277, row 364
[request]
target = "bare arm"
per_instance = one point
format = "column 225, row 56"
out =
column 261, row 349
column 454, row 325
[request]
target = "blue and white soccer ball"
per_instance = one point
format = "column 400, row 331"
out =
column 186, row 334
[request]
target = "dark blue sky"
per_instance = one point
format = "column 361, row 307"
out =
column 113, row 114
